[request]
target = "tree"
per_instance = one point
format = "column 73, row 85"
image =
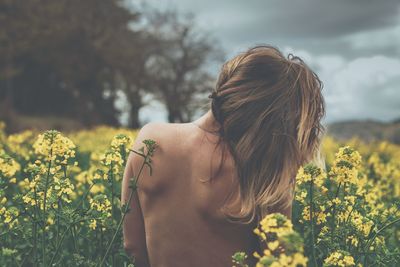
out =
column 177, row 67
column 65, row 57
column 70, row 58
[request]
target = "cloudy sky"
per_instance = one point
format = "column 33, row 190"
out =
column 354, row 46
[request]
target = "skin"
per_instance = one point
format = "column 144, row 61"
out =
column 175, row 218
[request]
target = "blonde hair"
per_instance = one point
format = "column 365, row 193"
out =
column 269, row 109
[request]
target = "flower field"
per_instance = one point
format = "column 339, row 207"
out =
column 59, row 196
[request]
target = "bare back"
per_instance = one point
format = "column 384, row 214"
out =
column 182, row 221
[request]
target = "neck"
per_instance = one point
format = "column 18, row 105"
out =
column 207, row 122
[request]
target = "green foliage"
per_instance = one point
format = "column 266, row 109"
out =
column 53, row 212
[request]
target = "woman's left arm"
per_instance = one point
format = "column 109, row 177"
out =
column 133, row 225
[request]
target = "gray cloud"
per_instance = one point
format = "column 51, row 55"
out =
column 320, row 25
column 348, row 43
column 327, row 19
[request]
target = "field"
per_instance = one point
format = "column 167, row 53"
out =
column 59, row 196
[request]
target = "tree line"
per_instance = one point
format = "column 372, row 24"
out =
column 70, row 58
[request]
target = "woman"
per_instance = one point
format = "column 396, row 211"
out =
column 216, row 177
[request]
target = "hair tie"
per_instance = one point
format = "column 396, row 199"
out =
column 213, row 95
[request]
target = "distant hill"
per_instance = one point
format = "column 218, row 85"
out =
column 367, row 130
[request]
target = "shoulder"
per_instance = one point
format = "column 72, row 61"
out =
column 166, row 135
column 159, row 130
column 156, row 132
column 152, row 129
column 165, row 153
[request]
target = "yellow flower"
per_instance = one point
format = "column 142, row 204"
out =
column 98, row 188
column 93, row 224
column 299, row 259
column 276, row 223
column 273, row 245
column 346, row 164
column 8, row 166
column 120, row 140
column 256, row 255
column 50, row 220
column 348, row 261
column 52, row 145
column 353, row 240
column 101, row 203
column 339, row 258
column 302, row 177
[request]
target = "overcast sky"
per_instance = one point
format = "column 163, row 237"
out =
column 353, row 45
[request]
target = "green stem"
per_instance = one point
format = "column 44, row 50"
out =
column 44, row 221
column 59, row 244
column 83, row 198
column 125, row 211
column 312, row 223
column 58, row 218
column 334, row 204
column 112, row 189
column 34, row 240
column 68, row 228
column 112, row 203
column 35, row 234
column 44, row 205
column 379, row 231
column 365, row 250
column 72, row 229
column 62, row 239
column 25, row 258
